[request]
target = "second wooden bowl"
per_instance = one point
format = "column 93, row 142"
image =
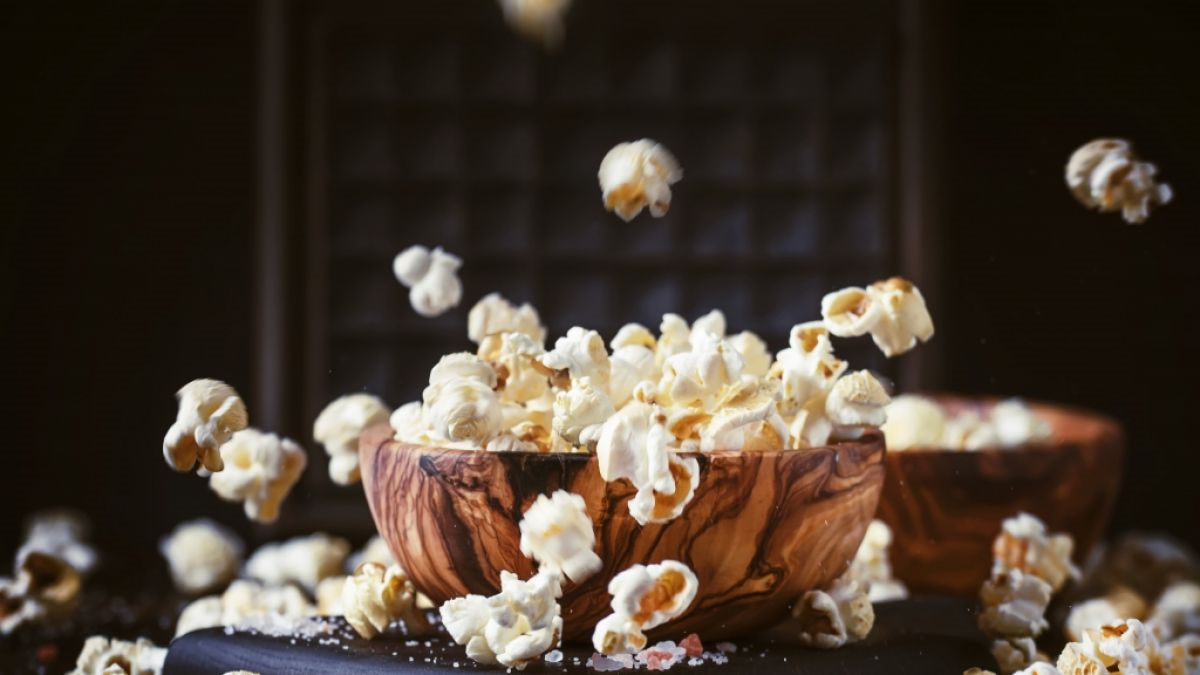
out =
column 762, row 528
column 946, row 507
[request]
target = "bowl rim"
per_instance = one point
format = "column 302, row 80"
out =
column 873, row 438
column 1104, row 427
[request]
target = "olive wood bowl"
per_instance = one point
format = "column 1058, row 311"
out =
column 945, row 507
column 762, row 528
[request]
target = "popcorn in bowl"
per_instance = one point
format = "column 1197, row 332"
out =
column 1105, row 175
column 210, row 411
column 259, row 470
column 916, row 423
column 637, row 175
column 338, row 427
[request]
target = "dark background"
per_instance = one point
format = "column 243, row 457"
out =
column 129, row 262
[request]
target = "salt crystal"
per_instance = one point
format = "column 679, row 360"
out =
column 695, row 661
column 603, row 664
column 691, row 645
column 554, row 656
column 726, row 647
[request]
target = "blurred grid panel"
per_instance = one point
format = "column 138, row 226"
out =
column 441, row 127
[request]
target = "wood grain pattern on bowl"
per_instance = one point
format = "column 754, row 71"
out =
column 761, row 529
column 946, row 507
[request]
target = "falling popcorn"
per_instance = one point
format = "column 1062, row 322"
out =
column 1105, row 175
column 538, row 20
column 636, row 175
column 557, row 533
column 202, row 555
column 210, row 412
column 338, row 427
column 893, row 311
column 432, row 277
column 260, row 470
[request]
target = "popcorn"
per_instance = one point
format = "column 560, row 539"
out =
column 746, row 418
column 712, row 323
column 807, row 369
column 580, row 353
column 833, row 618
column 260, row 470
column 636, row 175
column 1016, row 424
column 644, row 596
column 651, row 505
column 460, row 405
column 674, row 337
column 210, row 412
column 893, row 311
column 1119, row 603
column 539, row 20
column 202, row 555
column 855, row 402
column 329, row 595
column 756, row 360
column 511, row 628
column 1039, row 668
column 515, row 360
column 631, row 365
column 241, row 601
column 557, row 532
column 633, row 335
column 1014, row 654
column 16, row 609
column 580, row 412
column 301, row 560
column 1014, row 604
column 1176, row 612
column 696, row 378
column 375, row 596
column 634, row 444
column 431, row 277
column 46, row 590
column 1105, row 175
column 62, row 534
column 1024, row 545
column 338, row 427
column 101, row 655
column 1178, row 657
column 914, row 422
column 1124, row 644
column 871, row 566
column 493, row 315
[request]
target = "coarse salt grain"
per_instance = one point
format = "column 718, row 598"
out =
column 554, row 656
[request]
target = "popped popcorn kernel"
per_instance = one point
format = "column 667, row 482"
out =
column 637, row 175
column 243, row 600
column 871, row 566
column 893, row 311
column 375, row 595
column 579, row 354
column 537, row 20
column 494, row 315
column 300, row 560
column 460, row 404
column 1105, row 175
column 1176, row 612
column 431, row 277
column 202, row 555
column 913, row 422
column 1023, row 544
column 652, row 595
column 260, row 470
column 557, row 532
column 100, row 654
column 1119, row 603
column 581, row 411
column 63, row 534
column 338, row 428
column 511, row 628
column 831, row 619
column 856, row 401
column 210, row 411
column 1014, row 604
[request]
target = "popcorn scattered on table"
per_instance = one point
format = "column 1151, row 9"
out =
column 511, row 628
column 338, row 427
column 301, row 560
column 557, row 532
column 210, row 412
column 47, row 588
column 537, row 20
column 638, row 174
column 915, row 422
column 259, row 470
column 431, row 277
column 202, row 555
column 644, row 597
column 63, row 534
column 1105, row 175
column 831, row 619
column 374, row 596
column 1119, row 603
column 1024, row 545
column 243, row 600
column 871, row 567
column 100, row 655
column 1028, row 567
column 375, row 550
column 893, row 311
column 329, row 595
column 1176, row 612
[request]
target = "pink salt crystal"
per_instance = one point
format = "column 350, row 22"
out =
column 692, row 645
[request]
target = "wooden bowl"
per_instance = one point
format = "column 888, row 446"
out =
column 946, row 507
column 762, row 528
